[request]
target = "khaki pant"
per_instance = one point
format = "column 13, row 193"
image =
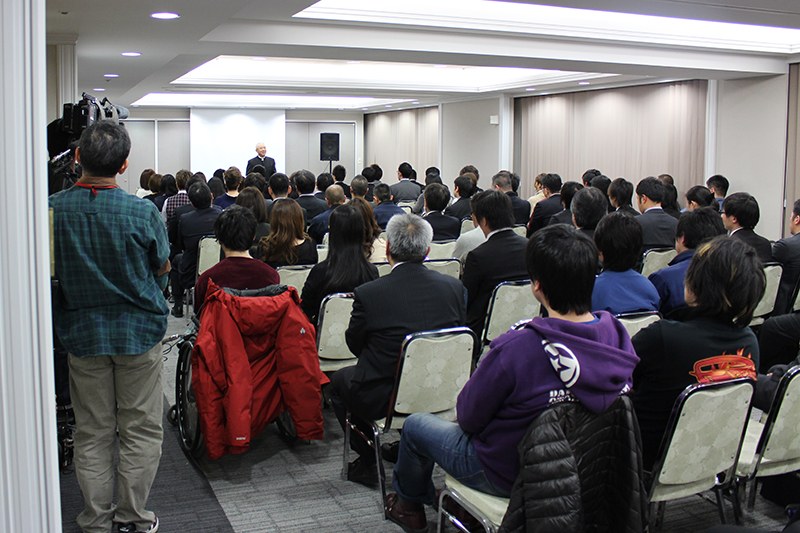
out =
column 110, row 392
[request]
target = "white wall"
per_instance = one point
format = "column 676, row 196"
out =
column 469, row 139
column 221, row 138
column 337, row 116
column 751, row 143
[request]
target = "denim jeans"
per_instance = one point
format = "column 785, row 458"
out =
column 427, row 440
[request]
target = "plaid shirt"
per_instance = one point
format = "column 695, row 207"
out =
column 108, row 247
column 172, row 203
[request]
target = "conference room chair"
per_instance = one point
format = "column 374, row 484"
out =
column 442, row 250
column 448, row 267
column 765, row 307
column 511, row 302
column 467, row 225
column 294, row 276
column 656, row 259
column 333, row 320
column 634, row 322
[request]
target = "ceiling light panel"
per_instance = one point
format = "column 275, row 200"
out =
column 276, row 101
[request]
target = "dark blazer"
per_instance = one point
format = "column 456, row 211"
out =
column 500, row 258
column 787, row 252
column 409, row 299
column 172, row 228
column 318, row 226
column 628, row 210
column 384, row 211
column 268, row 163
column 320, row 195
column 564, row 217
column 192, row 227
column 522, row 208
column 313, row 205
column 460, row 209
column 345, row 187
column 543, row 211
column 762, row 245
column 658, row 229
column 445, row 227
column 405, row 191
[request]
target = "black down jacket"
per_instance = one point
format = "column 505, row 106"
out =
column 580, row 472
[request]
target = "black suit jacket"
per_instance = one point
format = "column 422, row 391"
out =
column 658, row 229
column 543, row 211
column 762, row 245
column 500, row 258
column 268, row 163
column 628, row 210
column 408, row 300
column 787, row 252
column 313, row 206
column 460, row 209
column 172, row 228
column 445, row 227
column 192, row 227
column 564, row 217
column 345, row 187
column 522, row 208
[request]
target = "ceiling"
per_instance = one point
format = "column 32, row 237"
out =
column 266, row 53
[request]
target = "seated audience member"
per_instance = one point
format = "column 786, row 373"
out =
column 410, row 299
column 787, row 252
column 620, row 193
column 144, row 182
column 255, row 179
column 235, row 228
column 153, row 185
column 217, row 186
column 724, row 284
column 232, row 178
column 504, row 181
column 374, row 246
column 168, row 188
column 339, row 173
column 468, row 240
column 694, row 228
column 779, row 341
column 620, row 289
column 516, row 382
column 304, row 181
column 287, row 243
column 378, row 172
column 369, row 175
column 699, row 196
column 252, row 199
column 280, row 188
column 740, row 215
column 666, row 179
column 602, row 183
column 500, row 258
column 658, row 228
column 405, row 190
column 318, row 226
column 324, row 181
column 419, row 207
column 588, row 207
column 359, row 187
column 172, row 227
column 718, row 184
column 463, row 191
column 568, row 191
column 670, row 203
column 385, row 208
column 539, row 196
column 589, row 175
column 475, row 176
column 173, row 202
column 345, row 268
column 548, row 207
column 445, row 227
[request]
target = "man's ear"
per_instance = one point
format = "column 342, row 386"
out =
column 123, row 168
column 78, row 154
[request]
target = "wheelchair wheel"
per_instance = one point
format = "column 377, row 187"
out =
column 191, row 440
column 286, row 426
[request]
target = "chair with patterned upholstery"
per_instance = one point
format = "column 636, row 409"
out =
column 442, row 250
column 383, row 268
column 294, row 276
column 332, row 322
column 448, row 267
column 432, row 369
column 467, row 225
column 208, row 253
column 701, row 444
column 634, row 322
column 656, row 259
column 773, row 271
column 511, row 302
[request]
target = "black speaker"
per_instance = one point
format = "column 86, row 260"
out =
column 328, row 146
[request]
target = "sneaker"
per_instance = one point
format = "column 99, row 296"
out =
column 359, row 471
column 131, row 528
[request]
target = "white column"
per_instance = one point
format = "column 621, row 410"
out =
column 66, row 68
column 29, row 489
column 506, row 126
column 712, row 99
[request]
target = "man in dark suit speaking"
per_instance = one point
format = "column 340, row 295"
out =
column 409, row 299
column 261, row 159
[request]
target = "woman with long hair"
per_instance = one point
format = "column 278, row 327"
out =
column 252, row 199
column 374, row 246
column 346, row 266
column 287, row 243
column 168, row 187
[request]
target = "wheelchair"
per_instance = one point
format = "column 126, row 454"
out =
column 184, row 413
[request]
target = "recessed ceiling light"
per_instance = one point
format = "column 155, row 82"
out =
column 415, row 102
column 111, row 75
column 353, row 62
column 364, row 109
column 99, row 89
column 583, row 83
column 131, row 54
column 259, row 58
column 530, row 88
column 165, row 16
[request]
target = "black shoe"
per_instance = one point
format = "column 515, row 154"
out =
column 359, row 471
column 389, row 451
column 177, row 310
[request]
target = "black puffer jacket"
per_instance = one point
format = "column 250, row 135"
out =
column 580, row 472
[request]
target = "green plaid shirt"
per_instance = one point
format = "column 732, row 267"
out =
column 108, row 247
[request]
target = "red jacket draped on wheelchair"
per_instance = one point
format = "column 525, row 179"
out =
column 255, row 357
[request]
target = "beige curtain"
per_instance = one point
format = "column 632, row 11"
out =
column 396, row 136
column 633, row 132
column 792, row 184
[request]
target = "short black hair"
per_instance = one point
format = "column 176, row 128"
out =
column 700, row 195
column 502, row 180
column 666, row 179
column 324, row 181
column 601, row 182
column 568, row 191
column 232, row 179
column 619, row 238
column 382, row 192
column 621, row 190
column 432, row 170
column 368, row 173
column 235, row 228
column 744, row 207
column 589, row 175
column 471, row 170
column 589, row 205
column 796, row 208
column 195, row 179
column 252, row 199
column 304, row 180
column 551, row 182
column 432, row 178
column 339, row 172
column 279, row 183
column 495, row 207
column 200, row 195
column 699, row 225
column 652, row 188
column 216, row 185
column 405, row 170
column 378, row 171
column 254, row 179
column 104, row 147
column 436, row 197
column 719, row 183
column 465, row 186
column 564, row 262
column 359, row 186
column 260, row 169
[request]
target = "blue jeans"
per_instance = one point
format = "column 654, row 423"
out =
column 427, row 440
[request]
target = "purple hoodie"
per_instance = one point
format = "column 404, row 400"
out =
column 547, row 362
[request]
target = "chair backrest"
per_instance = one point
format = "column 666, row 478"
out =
column 408, row 208
column 703, row 439
column 383, row 268
column 332, row 321
column 796, row 297
column 442, row 250
column 208, row 252
column 433, row 368
column 773, row 272
column 467, row 225
column 511, row 302
column 656, row 259
column 322, row 252
column 634, row 322
column 325, row 238
column 448, row 267
column 521, row 230
column 294, row 276
column 778, row 450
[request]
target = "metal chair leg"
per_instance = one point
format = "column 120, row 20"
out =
column 346, row 452
column 720, row 505
column 376, row 445
column 751, row 497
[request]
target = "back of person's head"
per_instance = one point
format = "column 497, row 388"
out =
column 285, row 229
column 347, row 265
column 436, row 197
column 382, row 192
column 368, row 173
column 200, row 195
column 432, row 171
column 671, row 197
column 339, row 172
column 346, row 229
column 217, row 186
column 201, row 175
column 324, row 181
column 405, row 170
column 621, row 190
column 279, row 183
column 104, row 147
column 371, row 227
column 378, row 171
column 252, row 199
column 409, row 237
column 154, row 183
column 698, row 226
column 719, row 183
column 495, row 207
column 744, row 207
column 619, row 238
column 725, row 281
column 588, row 206
column 195, row 179
column 564, row 262
column 232, row 179
column 601, row 183
column 796, row 209
column 502, row 181
column 334, row 195
column 432, row 178
column 144, row 178
column 219, row 173
column 551, row 182
column 182, row 178
column 589, row 175
column 514, row 181
column 254, row 179
column 168, row 186
column 235, row 228
column 700, row 196
column 305, row 181
column 469, row 169
column 359, row 186
column 652, row 188
column 568, row 191
column 666, row 179
column 537, row 181
column 465, row 186
column 260, row 169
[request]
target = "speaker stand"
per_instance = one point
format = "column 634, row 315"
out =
column 330, row 167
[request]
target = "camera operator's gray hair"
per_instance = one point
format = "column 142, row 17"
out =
column 409, row 237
